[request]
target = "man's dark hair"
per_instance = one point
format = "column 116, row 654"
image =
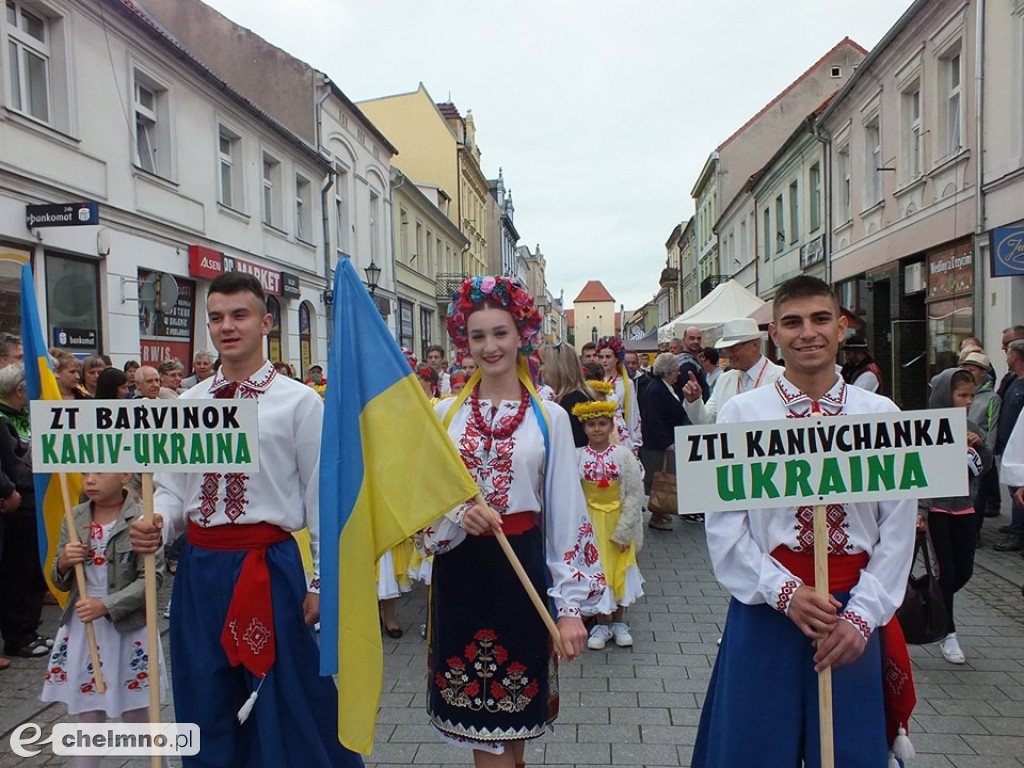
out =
column 711, row 355
column 435, row 348
column 801, row 287
column 960, row 377
column 1016, row 330
column 588, row 345
column 238, row 282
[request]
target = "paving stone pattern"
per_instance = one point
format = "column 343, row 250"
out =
column 641, row 706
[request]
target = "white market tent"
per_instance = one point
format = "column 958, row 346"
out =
column 728, row 301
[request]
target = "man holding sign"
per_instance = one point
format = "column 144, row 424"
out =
column 762, row 702
column 243, row 611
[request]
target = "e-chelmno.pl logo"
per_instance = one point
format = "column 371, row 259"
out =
column 113, row 739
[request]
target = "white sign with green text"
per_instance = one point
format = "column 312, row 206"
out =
column 145, row 436
column 810, row 461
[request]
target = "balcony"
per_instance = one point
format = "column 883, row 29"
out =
column 448, row 283
column 711, row 282
column 669, row 277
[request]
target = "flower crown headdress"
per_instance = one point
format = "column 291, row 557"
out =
column 602, row 387
column 614, row 344
column 594, row 409
column 505, row 292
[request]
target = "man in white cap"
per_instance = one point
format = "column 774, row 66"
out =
column 741, row 344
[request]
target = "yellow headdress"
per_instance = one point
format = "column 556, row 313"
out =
column 603, row 387
column 594, row 409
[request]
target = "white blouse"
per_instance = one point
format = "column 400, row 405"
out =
column 632, row 414
column 286, row 490
column 740, row 542
column 514, row 477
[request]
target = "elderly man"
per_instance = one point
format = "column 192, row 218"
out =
column 202, row 368
column 749, row 369
column 10, row 349
column 21, row 576
column 147, row 383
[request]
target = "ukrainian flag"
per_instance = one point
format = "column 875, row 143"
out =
column 387, row 469
column 41, row 385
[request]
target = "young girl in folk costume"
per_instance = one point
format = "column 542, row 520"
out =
column 115, row 607
column 950, row 521
column 614, row 492
column 492, row 681
column 612, row 357
column 427, row 377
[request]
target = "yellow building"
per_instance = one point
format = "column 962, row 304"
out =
column 594, row 313
column 437, row 146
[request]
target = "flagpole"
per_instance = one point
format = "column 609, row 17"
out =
column 152, row 628
column 825, row 675
column 524, row 579
column 90, row 630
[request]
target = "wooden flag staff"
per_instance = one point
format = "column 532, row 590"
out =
column 825, row 675
column 152, row 627
column 524, row 579
column 90, row 630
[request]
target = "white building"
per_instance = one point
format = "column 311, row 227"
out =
column 187, row 176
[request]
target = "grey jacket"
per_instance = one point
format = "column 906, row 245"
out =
column 126, row 592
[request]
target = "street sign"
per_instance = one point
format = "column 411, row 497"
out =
column 62, row 215
column 808, row 462
column 145, row 436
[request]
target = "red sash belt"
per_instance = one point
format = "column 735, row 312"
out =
column 897, row 678
column 515, row 524
column 248, row 635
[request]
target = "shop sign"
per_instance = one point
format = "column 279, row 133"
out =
column 165, row 335
column 1006, row 244
column 290, row 286
column 813, row 252
column 270, row 279
column 204, row 262
column 950, row 272
column 62, row 215
column 74, row 338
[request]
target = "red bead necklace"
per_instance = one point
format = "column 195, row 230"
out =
column 502, row 432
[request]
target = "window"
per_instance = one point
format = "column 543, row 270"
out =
column 28, row 39
column 230, row 165
column 405, row 324
column 836, row 72
column 794, row 212
column 953, row 119
column 271, row 190
column 152, row 125
column 342, row 220
column 814, row 184
column 872, row 162
column 375, row 227
column 767, row 233
column 843, row 182
column 426, row 325
column 303, row 209
column 912, row 132
column 780, row 234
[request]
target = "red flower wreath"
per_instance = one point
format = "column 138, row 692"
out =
column 506, row 292
column 614, row 344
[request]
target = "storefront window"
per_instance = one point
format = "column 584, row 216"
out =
column 274, row 351
column 73, row 304
column 950, row 303
column 305, row 338
column 165, row 329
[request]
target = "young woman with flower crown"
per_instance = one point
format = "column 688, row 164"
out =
column 611, row 355
column 492, row 681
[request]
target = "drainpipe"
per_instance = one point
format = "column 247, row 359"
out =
column 402, row 178
column 819, row 133
column 979, row 167
column 325, row 188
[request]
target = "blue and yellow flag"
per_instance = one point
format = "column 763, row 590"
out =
column 41, row 385
column 387, row 469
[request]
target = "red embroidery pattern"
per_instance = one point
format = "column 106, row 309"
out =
column 858, row 622
column 601, row 468
column 484, row 679
column 894, row 677
column 208, row 496
column 489, row 457
column 838, row 538
column 786, row 596
column 234, row 495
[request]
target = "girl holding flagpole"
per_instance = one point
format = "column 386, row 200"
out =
column 492, row 678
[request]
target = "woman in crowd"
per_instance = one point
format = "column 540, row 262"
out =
column 562, row 372
column 663, row 412
column 67, row 371
column 492, row 671
column 91, row 368
column 111, row 384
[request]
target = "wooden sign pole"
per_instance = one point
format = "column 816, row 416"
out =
column 152, row 627
column 825, row 675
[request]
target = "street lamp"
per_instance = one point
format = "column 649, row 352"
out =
column 372, row 277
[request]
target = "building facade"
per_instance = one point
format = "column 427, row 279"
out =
column 501, row 246
column 162, row 164
column 594, row 313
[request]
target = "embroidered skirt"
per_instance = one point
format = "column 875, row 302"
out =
column 493, row 676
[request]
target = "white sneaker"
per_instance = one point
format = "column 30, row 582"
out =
column 951, row 650
column 600, row 634
column 167, row 611
column 620, row 631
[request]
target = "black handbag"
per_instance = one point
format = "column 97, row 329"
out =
column 923, row 613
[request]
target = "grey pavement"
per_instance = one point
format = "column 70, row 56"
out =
column 640, row 706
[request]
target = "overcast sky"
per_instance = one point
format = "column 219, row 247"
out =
column 600, row 112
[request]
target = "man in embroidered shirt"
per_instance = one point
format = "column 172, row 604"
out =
column 230, row 633
column 762, row 704
column 741, row 344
